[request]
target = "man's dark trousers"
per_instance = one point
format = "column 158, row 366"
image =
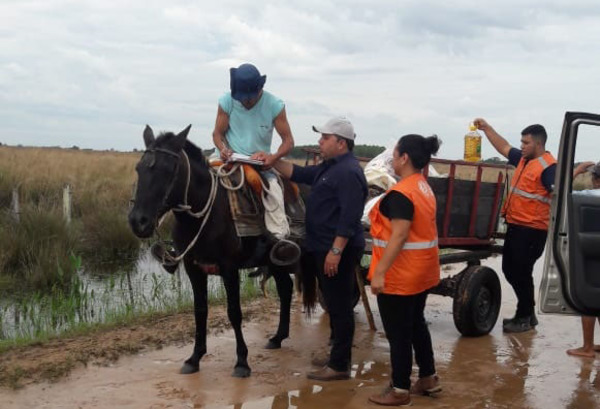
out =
column 522, row 247
column 338, row 292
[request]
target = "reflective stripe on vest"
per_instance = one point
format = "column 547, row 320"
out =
column 417, row 245
column 543, row 162
column 530, row 195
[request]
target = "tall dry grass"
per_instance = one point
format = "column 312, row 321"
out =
column 102, row 187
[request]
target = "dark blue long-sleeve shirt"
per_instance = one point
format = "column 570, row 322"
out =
column 336, row 201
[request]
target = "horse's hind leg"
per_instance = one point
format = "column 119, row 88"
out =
column 198, row 280
column 231, row 280
column 285, row 288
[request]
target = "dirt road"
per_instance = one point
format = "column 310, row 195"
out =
column 528, row 370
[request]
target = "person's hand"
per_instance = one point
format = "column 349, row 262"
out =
column 481, row 123
column 267, row 159
column 377, row 283
column 226, row 154
column 331, row 264
column 582, row 167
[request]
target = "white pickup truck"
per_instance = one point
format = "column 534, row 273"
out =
column 571, row 279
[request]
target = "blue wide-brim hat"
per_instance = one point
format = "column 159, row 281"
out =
column 246, row 82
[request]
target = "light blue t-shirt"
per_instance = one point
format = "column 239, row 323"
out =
column 251, row 130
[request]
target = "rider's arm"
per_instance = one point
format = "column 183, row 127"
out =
column 283, row 129
column 219, row 138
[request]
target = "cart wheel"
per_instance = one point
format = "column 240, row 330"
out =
column 477, row 301
column 355, row 299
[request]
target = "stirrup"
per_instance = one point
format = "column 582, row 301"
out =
column 284, row 253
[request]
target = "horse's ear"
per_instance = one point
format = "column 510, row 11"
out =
column 181, row 137
column 185, row 132
column 148, row 136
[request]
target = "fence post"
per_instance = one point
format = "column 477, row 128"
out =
column 14, row 205
column 67, row 203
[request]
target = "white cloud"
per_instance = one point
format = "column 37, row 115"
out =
column 92, row 73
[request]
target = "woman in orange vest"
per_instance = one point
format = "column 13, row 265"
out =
column 405, row 266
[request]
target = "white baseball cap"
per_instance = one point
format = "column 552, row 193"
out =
column 340, row 126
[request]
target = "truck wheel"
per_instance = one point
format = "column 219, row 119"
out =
column 477, row 301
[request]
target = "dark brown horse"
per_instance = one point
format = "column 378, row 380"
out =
column 174, row 175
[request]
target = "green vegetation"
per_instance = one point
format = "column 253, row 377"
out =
column 38, row 246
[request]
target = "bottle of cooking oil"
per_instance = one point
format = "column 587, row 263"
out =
column 472, row 144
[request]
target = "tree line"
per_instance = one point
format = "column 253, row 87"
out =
column 367, row 151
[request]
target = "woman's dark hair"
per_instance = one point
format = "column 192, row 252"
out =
column 418, row 148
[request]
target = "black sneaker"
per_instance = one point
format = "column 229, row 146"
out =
column 522, row 324
column 534, row 321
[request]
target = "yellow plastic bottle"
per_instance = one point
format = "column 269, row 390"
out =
column 472, row 144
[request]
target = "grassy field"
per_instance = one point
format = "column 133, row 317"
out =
column 36, row 251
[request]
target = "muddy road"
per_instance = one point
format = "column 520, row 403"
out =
column 529, row 370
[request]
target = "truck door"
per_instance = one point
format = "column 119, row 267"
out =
column 571, row 279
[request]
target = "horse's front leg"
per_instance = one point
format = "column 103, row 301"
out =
column 198, row 280
column 285, row 288
column 231, row 279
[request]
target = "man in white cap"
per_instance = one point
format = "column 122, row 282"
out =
column 334, row 241
column 246, row 117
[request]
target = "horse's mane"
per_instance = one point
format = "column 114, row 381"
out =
column 194, row 152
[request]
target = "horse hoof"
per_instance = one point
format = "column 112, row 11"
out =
column 241, row 372
column 273, row 344
column 187, row 369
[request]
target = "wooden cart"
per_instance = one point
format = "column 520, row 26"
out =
column 467, row 221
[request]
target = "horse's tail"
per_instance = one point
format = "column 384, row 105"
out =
column 306, row 283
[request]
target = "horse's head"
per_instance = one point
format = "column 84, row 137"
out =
column 158, row 171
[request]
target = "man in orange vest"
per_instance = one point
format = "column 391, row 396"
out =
column 527, row 212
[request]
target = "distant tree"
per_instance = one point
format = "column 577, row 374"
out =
column 367, row 151
column 496, row 161
column 75, row 147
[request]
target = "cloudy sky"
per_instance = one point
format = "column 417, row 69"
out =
column 92, row 73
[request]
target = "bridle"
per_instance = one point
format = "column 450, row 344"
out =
column 185, row 207
column 216, row 176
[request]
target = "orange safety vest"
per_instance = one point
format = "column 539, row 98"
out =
column 417, row 266
column 528, row 201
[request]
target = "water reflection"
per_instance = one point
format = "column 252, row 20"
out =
column 587, row 391
column 97, row 296
column 308, row 397
column 497, row 368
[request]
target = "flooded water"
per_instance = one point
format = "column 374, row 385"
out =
column 529, row 370
column 143, row 289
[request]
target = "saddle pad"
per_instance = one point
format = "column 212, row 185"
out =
column 247, row 209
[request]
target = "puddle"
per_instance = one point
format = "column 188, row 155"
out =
column 528, row 370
